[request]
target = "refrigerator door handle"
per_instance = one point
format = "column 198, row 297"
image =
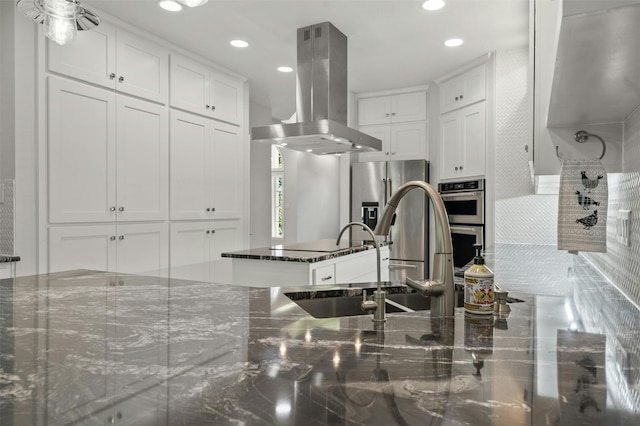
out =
column 384, row 191
column 390, row 187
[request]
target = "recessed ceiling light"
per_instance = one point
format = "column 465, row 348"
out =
column 238, row 43
column 285, row 69
column 170, row 5
column 193, row 3
column 309, row 150
column 433, row 4
column 453, row 42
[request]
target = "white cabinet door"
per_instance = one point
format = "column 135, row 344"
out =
column 189, row 167
column 91, row 57
column 463, row 90
column 382, row 132
column 225, row 98
column 189, row 85
column 82, row 247
column 376, row 110
column 225, row 184
column 142, row 68
column 462, row 138
column 408, row 141
column 225, row 237
column 81, row 153
column 189, row 250
column 142, row 160
column 142, row 249
column 409, row 107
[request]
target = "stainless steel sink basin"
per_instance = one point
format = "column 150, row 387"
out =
column 337, row 303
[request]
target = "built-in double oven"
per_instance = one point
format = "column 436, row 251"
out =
column 464, row 203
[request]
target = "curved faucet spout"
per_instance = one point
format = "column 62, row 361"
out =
column 444, row 304
column 379, row 305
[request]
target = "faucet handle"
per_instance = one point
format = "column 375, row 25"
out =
column 367, row 305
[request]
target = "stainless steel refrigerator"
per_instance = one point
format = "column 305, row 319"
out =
column 372, row 184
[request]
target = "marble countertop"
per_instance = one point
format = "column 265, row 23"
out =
column 309, row 252
column 85, row 347
column 8, row 258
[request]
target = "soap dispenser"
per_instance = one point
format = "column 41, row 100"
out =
column 479, row 295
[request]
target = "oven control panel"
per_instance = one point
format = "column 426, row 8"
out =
column 470, row 185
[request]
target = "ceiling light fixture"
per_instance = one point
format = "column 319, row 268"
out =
column 238, row 43
column 432, row 5
column 193, row 3
column 453, row 42
column 170, row 5
column 285, row 69
column 61, row 19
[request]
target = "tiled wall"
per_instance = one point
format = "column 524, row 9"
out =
column 525, row 218
column 7, row 216
column 621, row 264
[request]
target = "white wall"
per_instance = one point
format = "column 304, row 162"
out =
column 260, row 182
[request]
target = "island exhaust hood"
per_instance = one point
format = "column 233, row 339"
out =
column 321, row 99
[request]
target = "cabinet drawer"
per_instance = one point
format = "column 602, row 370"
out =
column 363, row 267
column 324, row 274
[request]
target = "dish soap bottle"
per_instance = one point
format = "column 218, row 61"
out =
column 479, row 296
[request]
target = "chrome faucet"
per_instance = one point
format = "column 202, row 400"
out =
column 377, row 306
column 440, row 288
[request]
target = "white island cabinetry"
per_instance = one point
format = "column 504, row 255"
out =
column 349, row 268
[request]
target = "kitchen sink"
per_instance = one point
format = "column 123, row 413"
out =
column 343, row 303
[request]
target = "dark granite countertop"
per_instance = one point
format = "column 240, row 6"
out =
column 308, row 252
column 8, row 258
column 85, row 347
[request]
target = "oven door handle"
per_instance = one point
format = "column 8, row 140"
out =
column 460, row 195
column 464, row 230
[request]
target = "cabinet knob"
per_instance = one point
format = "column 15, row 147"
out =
column 393, row 113
column 208, row 232
column 461, row 96
column 456, row 168
column 386, row 115
column 213, row 209
column 112, row 209
column 208, row 209
column 121, row 209
column 386, row 153
column 460, row 167
column 207, row 106
column 456, row 98
column 213, row 231
column 213, row 107
column 112, row 76
column 120, row 79
column 393, row 153
column 121, row 237
column 112, row 238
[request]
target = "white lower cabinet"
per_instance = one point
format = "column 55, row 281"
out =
column 196, row 247
column 126, row 248
column 353, row 268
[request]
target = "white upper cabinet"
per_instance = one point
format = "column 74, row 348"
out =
column 115, row 59
column 100, row 172
column 202, row 90
column 206, row 168
column 402, row 141
column 392, row 109
column 464, row 89
column 462, row 137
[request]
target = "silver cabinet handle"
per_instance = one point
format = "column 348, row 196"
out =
column 112, row 209
column 121, row 237
column 208, row 232
column 462, row 195
column 120, row 79
column 208, row 209
column 456, row 168
column 326, row 278
column 402, row 266
column 112, row 76
column 213, row 107
column 121, row 209
column 213, row 209
column 213, row 231
column 112, row 238
column 207, row 106
column 460, row 167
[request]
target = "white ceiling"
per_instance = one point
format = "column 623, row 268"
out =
column 391, row 43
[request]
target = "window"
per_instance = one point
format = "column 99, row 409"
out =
column 277, row 193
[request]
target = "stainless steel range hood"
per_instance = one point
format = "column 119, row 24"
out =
column 321, row 99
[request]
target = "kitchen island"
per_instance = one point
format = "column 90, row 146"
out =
column 86, row 347
column 308, row 263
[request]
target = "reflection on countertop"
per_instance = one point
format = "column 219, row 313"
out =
column 85, row 347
